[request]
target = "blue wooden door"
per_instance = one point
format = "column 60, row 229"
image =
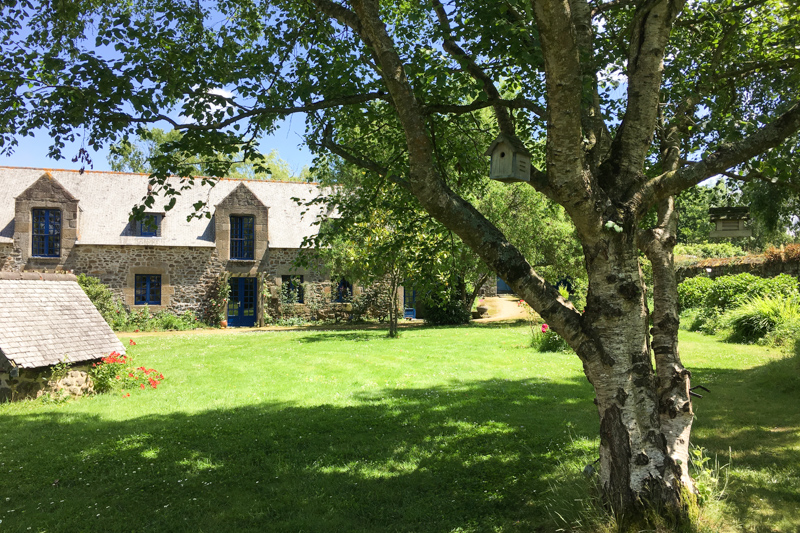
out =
column 503, row 288
column 242, row 303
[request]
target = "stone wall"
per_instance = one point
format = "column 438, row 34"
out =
column 33, row 383
column 8, row 258
column 756, row 265
column 187, row 272
column 280, row 263
column 187, row 275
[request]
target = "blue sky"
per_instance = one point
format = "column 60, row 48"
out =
column 32, row 151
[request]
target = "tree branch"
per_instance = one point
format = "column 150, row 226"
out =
column 758, row 176
column 451, row 47
column 649, row 36
column 568, row 177
column 752, row 66
column 516, row 103
column 684, row 22
column 359, row 161
column 608, row 6
column 279, row 111
column 450, row 209
column 724, row 157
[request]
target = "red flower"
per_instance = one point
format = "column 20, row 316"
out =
column 141, row 386
column 136, row 331
column 545, row 327
column 130, row 374
column 118, row 377
column 131, row 341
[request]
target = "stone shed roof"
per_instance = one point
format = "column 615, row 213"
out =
column 44, row 320
column 106, row 198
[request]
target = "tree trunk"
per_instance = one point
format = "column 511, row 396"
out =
column 636, row 468
column 674, row 400
column 474, row 294
column 393, row 311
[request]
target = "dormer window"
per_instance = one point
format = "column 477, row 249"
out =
column 242, row 238
column 46, row 236
column 149, row 226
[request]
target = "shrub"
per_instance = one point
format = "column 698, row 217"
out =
column 732, row 291
column 144, row 320
column 758, row 317
column 102, row 298
column 548, row 341
column 692, row 292
column 374, row 302
column 791, row 252
column 728, row 292
column 786, row 334
column 709, row 250
column 447, row 313
column 119, row 372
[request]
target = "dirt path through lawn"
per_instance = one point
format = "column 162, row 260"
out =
column 503, row 308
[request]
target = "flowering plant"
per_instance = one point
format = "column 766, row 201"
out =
column 216, row 309
column 118, row 372
column 543, row 339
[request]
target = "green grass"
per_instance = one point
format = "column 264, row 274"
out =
column 445, row 429
column 753, row 410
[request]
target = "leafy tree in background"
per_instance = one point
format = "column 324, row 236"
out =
column 770, row 227
column 709, row 88
column 155, row 143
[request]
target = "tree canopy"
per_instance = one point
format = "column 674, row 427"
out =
column 635, row 101
column 144, row 153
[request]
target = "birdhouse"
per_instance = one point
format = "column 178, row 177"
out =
column 511, row 161
column 729, row 221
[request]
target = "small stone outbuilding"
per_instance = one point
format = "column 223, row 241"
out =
column 47, row 319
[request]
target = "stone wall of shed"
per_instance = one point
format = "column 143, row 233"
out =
column 33, row 383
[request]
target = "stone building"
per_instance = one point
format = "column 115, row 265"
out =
column 247, row 234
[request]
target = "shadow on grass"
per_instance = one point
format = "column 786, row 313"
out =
column 754, row 413
column 465, row 457
column 497, row 324
column 337, row 336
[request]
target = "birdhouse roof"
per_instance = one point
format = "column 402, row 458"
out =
column 516, row 144
column 729, row 213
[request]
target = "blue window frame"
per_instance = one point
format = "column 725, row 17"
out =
column 148, row 289
column 149, row 226
column 242, row 237
column 46, row 233
column 344, row 291
column 292, row 286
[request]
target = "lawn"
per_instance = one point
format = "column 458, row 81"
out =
column 444, row 429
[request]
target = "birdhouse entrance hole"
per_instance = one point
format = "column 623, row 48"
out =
column 516, row 167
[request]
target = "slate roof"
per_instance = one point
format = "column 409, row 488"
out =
column 106, row 199
column 42, row 321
